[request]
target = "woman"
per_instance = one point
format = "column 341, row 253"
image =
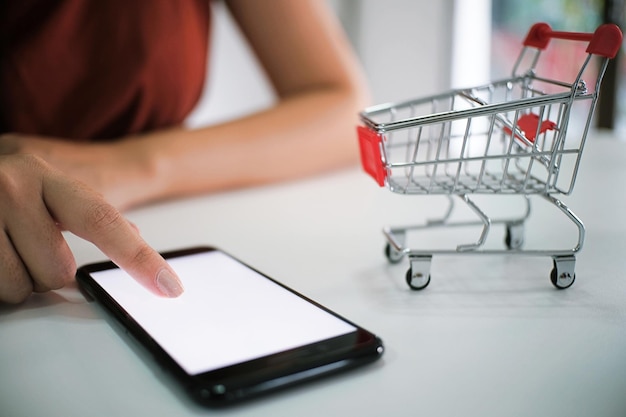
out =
column 128, row 147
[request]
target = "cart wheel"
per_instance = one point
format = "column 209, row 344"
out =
column 393, row 256
column 418, row 281
column 562, row 275
column 514, row 238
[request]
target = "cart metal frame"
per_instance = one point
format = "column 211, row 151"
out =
column 507, row 137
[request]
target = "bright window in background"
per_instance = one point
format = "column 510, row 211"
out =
column 471, row 45
column 511, row 20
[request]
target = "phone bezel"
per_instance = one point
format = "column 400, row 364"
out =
column 249, row 378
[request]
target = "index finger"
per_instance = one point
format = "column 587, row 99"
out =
column 85, row 213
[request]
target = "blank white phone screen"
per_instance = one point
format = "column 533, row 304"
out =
column 228, row 313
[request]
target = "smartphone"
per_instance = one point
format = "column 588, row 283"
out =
column 235, row 332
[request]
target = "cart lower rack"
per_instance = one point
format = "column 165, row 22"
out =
column 523, row 135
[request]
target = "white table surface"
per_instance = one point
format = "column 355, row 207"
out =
column 490, row 336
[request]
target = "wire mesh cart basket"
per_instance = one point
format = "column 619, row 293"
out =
column 507, row 137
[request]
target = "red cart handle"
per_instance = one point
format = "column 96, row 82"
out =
column 605, row 41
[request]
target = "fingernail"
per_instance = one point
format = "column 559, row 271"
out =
column 169, row 284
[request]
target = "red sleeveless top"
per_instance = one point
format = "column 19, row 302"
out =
column 97, row 70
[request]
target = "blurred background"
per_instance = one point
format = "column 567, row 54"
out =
column 411, row 48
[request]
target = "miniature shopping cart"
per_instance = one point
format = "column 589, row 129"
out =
column 508, row 137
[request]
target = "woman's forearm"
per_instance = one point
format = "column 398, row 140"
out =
column 305, row 134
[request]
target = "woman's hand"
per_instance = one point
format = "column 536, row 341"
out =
column 37, row 202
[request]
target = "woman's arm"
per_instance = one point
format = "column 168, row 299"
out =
column 320, row 89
